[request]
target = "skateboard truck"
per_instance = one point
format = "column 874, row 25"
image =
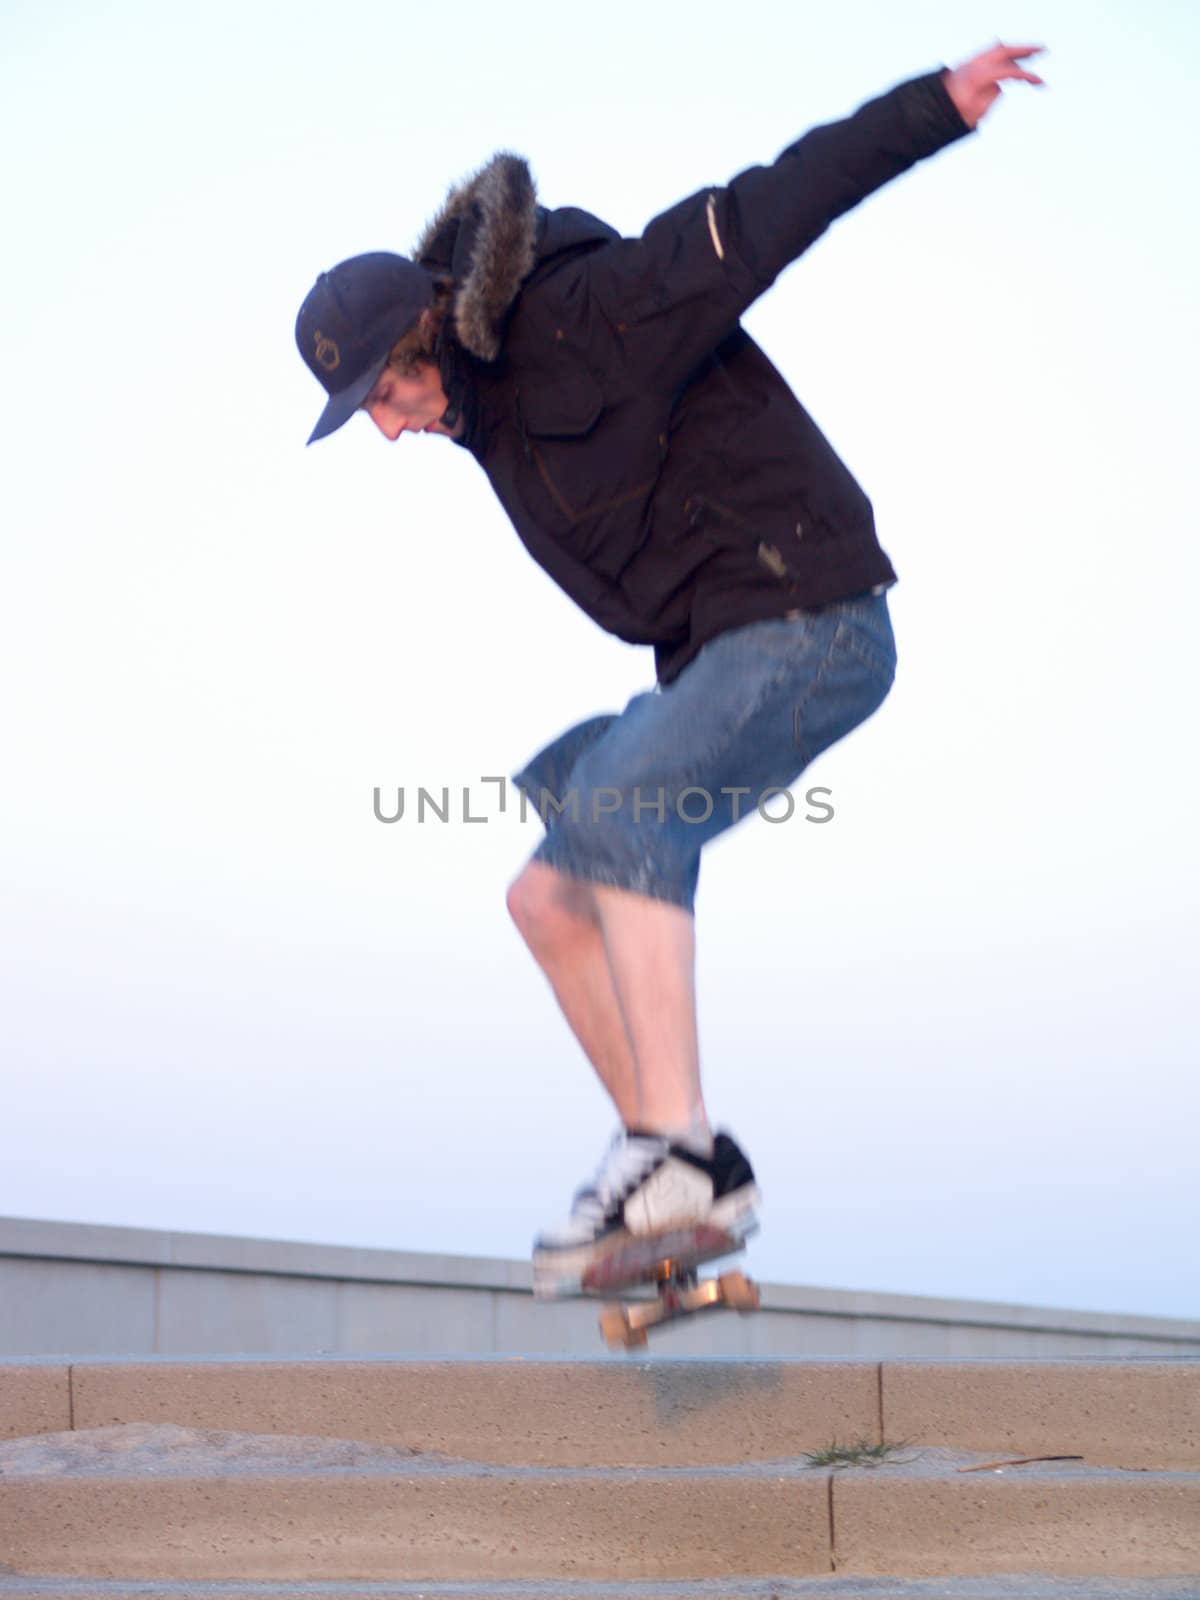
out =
column 671, row 1262
column 679, row 1295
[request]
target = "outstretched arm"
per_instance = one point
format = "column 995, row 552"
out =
column 975, row 85
column 681, row 287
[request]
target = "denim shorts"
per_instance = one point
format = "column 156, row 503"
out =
column 630, row 800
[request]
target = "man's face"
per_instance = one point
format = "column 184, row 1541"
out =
column 408, row 402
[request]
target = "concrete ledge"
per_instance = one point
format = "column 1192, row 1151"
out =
column 73, row 1290
column 1109, row 1523
column 1122, row 1414
column 34, row 1398
column 148, row 1247
column 538, row 1413
column 1129, row 1414
column 434, row 1522
column 166, row 1503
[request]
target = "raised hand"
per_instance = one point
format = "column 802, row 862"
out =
column 975, row 85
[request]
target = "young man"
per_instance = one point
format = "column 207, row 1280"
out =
column 660, row 470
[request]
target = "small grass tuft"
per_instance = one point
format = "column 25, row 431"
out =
column 859, row 1454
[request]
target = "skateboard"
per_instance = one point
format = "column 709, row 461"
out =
column 671, row 1261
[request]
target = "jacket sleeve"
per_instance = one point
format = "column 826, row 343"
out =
column 677, row 291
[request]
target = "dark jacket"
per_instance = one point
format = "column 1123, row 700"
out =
column 651, row 458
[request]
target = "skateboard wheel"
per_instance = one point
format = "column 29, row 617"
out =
column 614, row 1325
column 737, row 1292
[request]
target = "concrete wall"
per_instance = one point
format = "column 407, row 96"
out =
column 75, row 1289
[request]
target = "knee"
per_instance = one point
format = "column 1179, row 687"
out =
column 519, row 901
column 545, row 908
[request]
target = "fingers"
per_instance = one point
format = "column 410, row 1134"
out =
column 1004, row 59
column 1017, row 51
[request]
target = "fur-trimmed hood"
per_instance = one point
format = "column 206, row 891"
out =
column 485, row 237
column 602, row 381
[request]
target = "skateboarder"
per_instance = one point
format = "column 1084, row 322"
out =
column 657, row 466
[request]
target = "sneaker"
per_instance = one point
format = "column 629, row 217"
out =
column 645, row 1185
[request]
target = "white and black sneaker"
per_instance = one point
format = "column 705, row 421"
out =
column 645, row 1185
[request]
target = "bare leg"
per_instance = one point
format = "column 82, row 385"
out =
column 651, row 949
column 556, row 917
column 622, row 967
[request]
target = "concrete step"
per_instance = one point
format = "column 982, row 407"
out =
column 1123, row 1413
column 160, row 1502
column 1014, row 1586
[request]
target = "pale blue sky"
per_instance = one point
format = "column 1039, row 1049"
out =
column 956, row 1027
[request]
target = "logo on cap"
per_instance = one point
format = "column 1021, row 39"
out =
column 327, row 353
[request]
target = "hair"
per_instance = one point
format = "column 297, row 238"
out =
column 419, row 344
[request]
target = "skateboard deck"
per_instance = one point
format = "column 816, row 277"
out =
column 671, row 1261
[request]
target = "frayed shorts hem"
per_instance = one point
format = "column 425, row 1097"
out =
column 648, row 881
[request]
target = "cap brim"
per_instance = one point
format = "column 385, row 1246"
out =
column 345, row 403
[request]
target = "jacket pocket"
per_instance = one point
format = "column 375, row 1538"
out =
column 567, row 409
column 594, row 483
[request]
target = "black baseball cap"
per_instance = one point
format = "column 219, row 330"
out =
column 350, row 319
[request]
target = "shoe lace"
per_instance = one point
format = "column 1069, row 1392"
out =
column 625, row 1161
